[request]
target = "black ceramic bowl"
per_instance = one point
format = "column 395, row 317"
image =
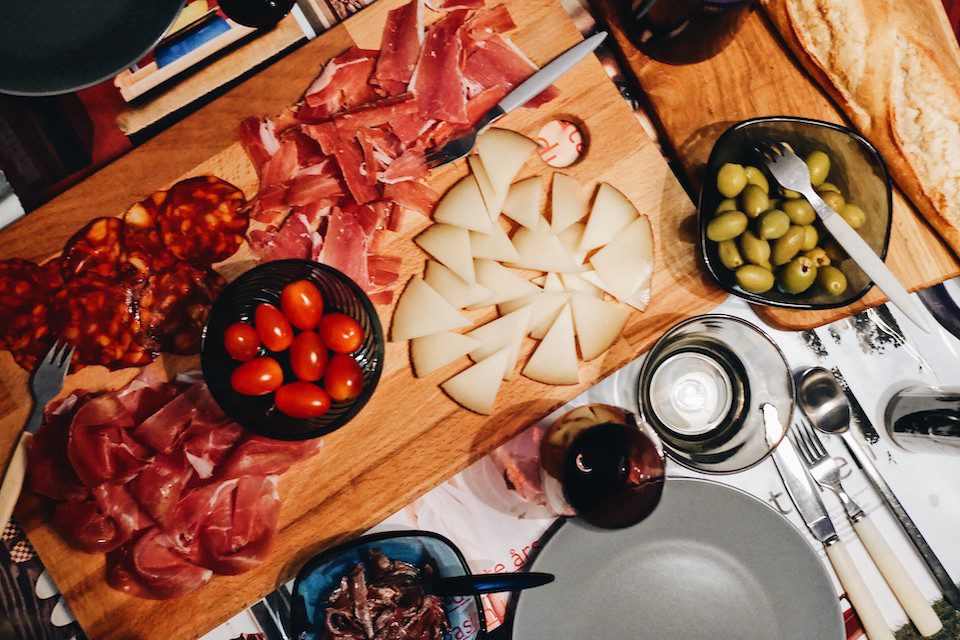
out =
column 856, row 168
column 237, row 304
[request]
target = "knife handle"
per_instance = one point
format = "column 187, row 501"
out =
column 863, row 603
column 12, row 483
column 903, row 587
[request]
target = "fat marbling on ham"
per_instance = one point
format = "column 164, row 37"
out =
column 340, row 168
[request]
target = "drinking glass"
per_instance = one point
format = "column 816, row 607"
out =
column 684, row 31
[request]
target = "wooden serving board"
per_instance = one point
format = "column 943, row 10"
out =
column 755, row 75
column 410, row 437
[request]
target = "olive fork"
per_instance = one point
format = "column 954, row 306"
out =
column 825, row 469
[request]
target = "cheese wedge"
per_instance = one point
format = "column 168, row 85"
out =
column 545, row 307
column 507, row 331
column 552, row 282
column 421, row 311
column 625, row 265
column 429, row 353
column 576, row 284
column 454, row 289
column 495, row 245
column 597, row 322
column 567, row 204
column 524, row 202
column 570, row 238
column 462, row 206
column 542, row 251
column 504, row 283
column 555, row 359
column 638, row 299
column 611, row 213
column 450, row 246
column 503, row 152
column 492, row 199
column 476, row 388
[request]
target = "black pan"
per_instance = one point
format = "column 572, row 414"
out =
column 55, row 46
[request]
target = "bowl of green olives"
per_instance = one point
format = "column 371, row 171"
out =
column 764, row 243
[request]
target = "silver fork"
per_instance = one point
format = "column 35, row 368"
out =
column 523, row 93
column 792, row 173
column 826, row 471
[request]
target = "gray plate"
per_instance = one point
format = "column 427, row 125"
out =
column 53, row 46
column 711, row 562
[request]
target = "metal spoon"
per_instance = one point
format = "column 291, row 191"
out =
column 825, row 405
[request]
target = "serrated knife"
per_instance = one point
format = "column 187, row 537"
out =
column 806, row 497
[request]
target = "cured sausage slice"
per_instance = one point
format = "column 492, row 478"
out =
column 22, row 297
column 173, row 306
column 142, row 249
column 94, row 249
column 204, row 220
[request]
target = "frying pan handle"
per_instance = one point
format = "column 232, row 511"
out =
column 489, row 583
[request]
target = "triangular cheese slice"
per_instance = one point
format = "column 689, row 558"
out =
column 495, row 245
column 503, row 152
column 576, row 284
column 626, row 263
column 570, row 238
column 492, row 199
column 545, row 307
column 638, row 299
column 421, row 311
column 552, row 282
column 542, row 251
column 454, row 289
column 611, row 213
column 506, row 331
column 450, row 246
column 555, row 359
column 567, row 204
column 504, row 283
column 597, row 323
column 462, row 206
column 524, row 202
column 476, row 388
column 429, row 353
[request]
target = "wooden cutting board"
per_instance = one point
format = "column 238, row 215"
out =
column 410, row 437
column 755, row 75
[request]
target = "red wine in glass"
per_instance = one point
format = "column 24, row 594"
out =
column 683, row 31
column 260, row 14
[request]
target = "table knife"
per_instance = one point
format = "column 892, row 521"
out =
column 805, row 495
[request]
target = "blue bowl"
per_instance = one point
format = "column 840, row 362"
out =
column 320, row 576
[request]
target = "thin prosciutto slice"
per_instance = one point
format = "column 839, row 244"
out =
column 438, row 81
column 400, row 47
column 497, row 62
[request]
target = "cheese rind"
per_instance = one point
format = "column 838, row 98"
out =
column 476, row 388
column 429, row 353
column 421, row 311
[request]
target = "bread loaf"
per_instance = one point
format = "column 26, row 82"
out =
column 893, row 66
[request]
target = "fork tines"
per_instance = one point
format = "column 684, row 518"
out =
column 808, row 442
column 59, row 355
column 772, row 150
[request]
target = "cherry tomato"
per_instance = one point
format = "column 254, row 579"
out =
column 343, row 378
column 341, row 334
column 241, row 341
column 302, row 304
column 273, row 327
column 308, row 356
column 302, row 400
column 257, row 377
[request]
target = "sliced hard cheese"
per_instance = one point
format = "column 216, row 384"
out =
column 567, row 204
column 462, row 206
column 429, row 353
column 576, row 284
column 504, row 283
column 505, row 332
column 495, row 245
column 492, row 199
column 611, row 213
column 597, row 323
column 542, row 251
column 570, row 238
column 638, row 299
column 624, row 266
column 503, row 152
column 454, row 289
column 525, row 202
column 552, row 282
column 555, row 360
column 476, row 388
column 545, row 307
column 421, row 311
column 450, row 246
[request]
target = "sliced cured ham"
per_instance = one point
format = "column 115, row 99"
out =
column 99, row 445
column 400, row 47
column 164, row 573
column 294, row 238
column 258, row 456
column 497, row 62
column 437, row 81
column 158, row 487
column 238, row 538
column 412, row 195
column 51, row 474
column 344, row 83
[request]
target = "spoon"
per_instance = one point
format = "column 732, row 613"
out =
column 476, row 584
column 826, row 406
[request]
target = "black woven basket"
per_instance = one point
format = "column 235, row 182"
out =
column 237, row 304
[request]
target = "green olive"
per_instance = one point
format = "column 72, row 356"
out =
column 753, row 201
column 789, row 193
column 833, row 250
column 787, row 246
column 731, row 179
column 728, row 204
column 726, row 226
column 854, row 215
column 831, row 280
column 827, row 186
column 799, row 210
column 834, row 200
column 819, row 165
column 773, row 224
column 810, row 237
column 819, row 256
column 729, row 254
column 753, row 249
column 755, row 176
column 754, row 279
column 766, row 265
column 798, row 275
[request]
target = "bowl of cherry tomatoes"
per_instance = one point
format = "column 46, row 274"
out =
column 292, row 349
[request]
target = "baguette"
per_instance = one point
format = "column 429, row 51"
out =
column 894, row 68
